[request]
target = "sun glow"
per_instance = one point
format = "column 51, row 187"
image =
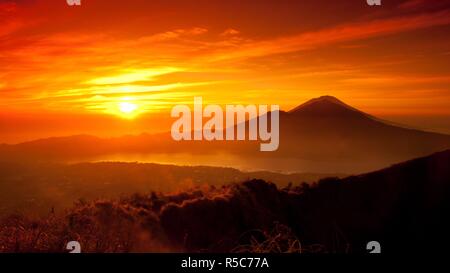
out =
column 127, row 107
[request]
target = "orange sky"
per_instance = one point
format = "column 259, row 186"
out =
column 66, row 70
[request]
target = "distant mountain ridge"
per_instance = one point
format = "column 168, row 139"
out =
column 322, row 135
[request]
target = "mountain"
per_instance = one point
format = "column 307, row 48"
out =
column 325, row 105
column 326, row 129
column 321, row 135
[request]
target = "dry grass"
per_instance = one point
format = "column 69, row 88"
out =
column 280, row 239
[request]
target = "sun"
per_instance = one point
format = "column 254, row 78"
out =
column 127, row 107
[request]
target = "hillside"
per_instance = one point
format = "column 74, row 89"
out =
column 37, row 188
column 404, row 207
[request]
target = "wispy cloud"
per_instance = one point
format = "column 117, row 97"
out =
column 133, row 76
column 75, row 67
column 337, row 34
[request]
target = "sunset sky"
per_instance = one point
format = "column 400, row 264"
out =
column 115, row 67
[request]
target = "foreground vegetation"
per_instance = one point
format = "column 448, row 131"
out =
column 404, row 207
